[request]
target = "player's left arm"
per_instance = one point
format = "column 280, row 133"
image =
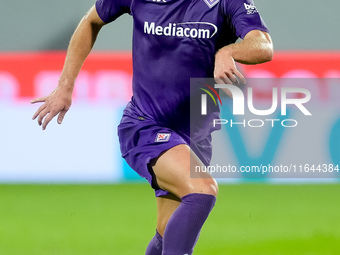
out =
column 255, row 48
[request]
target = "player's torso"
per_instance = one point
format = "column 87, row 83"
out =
column 173, row 24
column 173, row 41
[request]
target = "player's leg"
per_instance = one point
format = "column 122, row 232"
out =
column 166, row 205
column 198, row 195
column 172, row 171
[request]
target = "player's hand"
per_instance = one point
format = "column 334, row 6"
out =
column 225, row 70
column 58, row 102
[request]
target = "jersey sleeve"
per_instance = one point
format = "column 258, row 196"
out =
column 244, row 17
column 109, row 10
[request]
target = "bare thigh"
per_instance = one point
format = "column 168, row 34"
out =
column 172, row 171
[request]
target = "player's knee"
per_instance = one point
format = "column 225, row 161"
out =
column 213, row 187
column 205, row 186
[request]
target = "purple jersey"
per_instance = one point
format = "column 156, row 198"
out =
column 175, row 40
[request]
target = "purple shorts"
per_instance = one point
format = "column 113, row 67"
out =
column 142, row 139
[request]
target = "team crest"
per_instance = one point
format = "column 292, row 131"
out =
column 162, row 137
column 211, row 3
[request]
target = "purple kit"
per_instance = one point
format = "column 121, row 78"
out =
column 173, row 41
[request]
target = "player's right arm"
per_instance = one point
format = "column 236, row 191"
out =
column 81, row 43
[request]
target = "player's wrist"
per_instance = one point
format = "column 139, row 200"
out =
column 66, row 84
column 225, row 52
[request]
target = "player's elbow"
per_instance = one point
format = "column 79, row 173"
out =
column 264, row 53
column 265, row 48
column 267, row 54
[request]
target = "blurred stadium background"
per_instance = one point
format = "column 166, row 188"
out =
column 67, row 191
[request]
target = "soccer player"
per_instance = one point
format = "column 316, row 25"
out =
column 173, row 41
